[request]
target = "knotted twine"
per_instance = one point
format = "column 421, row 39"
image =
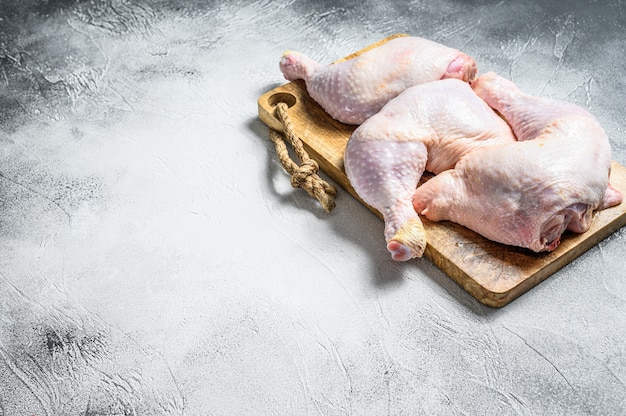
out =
column 305, row 175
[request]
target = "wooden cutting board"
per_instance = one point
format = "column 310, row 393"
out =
column 492, row 273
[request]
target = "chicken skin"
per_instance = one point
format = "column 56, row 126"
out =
column 354, row 90
column 428, row 127
column 526, row 193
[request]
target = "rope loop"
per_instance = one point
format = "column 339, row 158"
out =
column 304, row 175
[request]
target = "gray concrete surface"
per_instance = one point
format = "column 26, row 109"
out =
column 154, row 259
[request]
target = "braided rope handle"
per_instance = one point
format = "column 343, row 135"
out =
column 305, row 175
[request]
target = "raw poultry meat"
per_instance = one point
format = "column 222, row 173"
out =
column 527, row 193
column 427, row 127
column 353, row 90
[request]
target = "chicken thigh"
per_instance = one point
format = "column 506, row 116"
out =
column 527, row 193
column 353, row 90
column 427, row 127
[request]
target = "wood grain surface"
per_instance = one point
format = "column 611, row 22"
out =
column 493, row 273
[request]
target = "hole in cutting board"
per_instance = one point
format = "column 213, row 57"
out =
column 282, row 97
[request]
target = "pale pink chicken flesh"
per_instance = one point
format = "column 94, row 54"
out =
column 427, row 127
column 527, row 193
column 352, row 91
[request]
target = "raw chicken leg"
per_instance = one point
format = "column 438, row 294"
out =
column 427, row 127
column 353, row 90
column 527, row 193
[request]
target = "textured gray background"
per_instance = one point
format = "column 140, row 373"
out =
column 155, row 260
